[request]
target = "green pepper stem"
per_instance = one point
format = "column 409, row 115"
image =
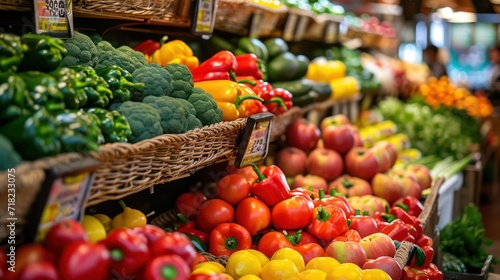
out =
column 323, row 215
column 402, row 206
column 182, row 218
column 122, row 204
column 366, row 213
column 231, row 243
column 349, row 223
column 240, row 99
column 169, row 272
column 388, row 217
column 347, row 184
column 163, row 40
column 279, row 101
column 295, row 238
column 232, row 76
column 256, row 169
column 128, row 84
column 116, row 255
column 321, row 194
column 357, row 212
column 248, row 82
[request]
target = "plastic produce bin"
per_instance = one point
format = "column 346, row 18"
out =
column 447, row 197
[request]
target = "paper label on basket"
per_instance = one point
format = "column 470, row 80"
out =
column 254, row 144
column 54, row 17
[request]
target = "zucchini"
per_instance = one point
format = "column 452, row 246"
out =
column 297, row 87
column 453, row 263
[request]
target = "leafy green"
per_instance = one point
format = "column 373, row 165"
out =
column 465, row 238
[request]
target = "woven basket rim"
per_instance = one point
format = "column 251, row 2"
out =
column 431, row 201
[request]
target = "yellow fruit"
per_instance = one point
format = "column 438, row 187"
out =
column 290, row 254
column 94, row 229
column 312, row 274
column 205, row 270
column 241, row 263
column 229, row 277
column 280, row 270
column 325, row 264
column 375, row 274
column 105, row 221
column 210, row 266
column 262, row 258
column 250, row 277
column 345, row 271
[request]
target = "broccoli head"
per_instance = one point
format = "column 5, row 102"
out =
column 138, row 56
column 10, row 158
column 172, row 113
column 156, row 80
column 206, row 108
column 81, row 51
column 182, row 80
column 144, row 120
column 95, row 37
column 126, row 60
column 190, row 113
column 104, row 46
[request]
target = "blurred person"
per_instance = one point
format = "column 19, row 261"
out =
column 431, row 57
column 494, row 77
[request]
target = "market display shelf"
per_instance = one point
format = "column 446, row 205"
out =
column 318, row 111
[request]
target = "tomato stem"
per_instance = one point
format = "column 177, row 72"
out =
column 231, row 243
column 295, row 238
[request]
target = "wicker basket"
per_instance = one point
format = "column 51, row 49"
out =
column 143, row 9
column 16, row 5
column 281, row 122
column 318, row 27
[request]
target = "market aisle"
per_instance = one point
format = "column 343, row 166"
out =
column 490, row 210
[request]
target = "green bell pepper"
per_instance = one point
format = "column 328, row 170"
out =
column 15, row 99
column 252, row 45
column 114, row 126
column 71, row 84
column 79, row 131
column 44, row 53
column 120, row 82
column 11, row 52
column 34, row 136
column 99, row 95
column 44, row 90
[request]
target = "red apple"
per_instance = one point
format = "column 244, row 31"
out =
column 422, row 173
column 369, row 203
column 378, row 245
column 362, row 163
column 325, row 163
column 337, row 120
column 292, row 161
column 384, row 158
column 350, row 186
column 339, row 138
column 63, row 233
column 309, row 180
column 389, row 148
column 386, row 186
column 387, row 264
column 347, row 252
column 409, row 183
column 302, row 134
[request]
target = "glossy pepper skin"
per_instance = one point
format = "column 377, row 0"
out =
column 11, row 52
column 79, row 131
column 221, row 66
column 271, row 186
column 250, row 65
column 228, row 238
column 82, row 261
column 98, row 95
column 147, row 47
column 334, row 199
column 249, row 107
column 168, row 267
column 34, row 136
column 114, row 126
column 129, row 218
column 174, row 243
column 280, row 102
column 44, row 52
column 15, row 99
column 328, row 222
column 397, row 230
column 175, row 51
column 275, row 240
column 350, row 235
column 71, row 85
column 43, row 89
column 128, row 250
column 410, row 273
column 120, row 82
column 410, row 204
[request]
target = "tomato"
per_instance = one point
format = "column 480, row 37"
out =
column 253, row 214
column 199, row 258
column 305, row 238
column 39, row 270
column 272, row 242
column 233, row 188
column 82, row 261
column 31, row 253
column 248, row 173
column 310, row 251
column 292, row 213
column 363, row 224
column 188, row 204
column 214, row 212
column 64, row 233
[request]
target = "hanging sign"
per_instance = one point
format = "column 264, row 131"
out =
column 204, row 17
column 54, row 18
column 254, row 143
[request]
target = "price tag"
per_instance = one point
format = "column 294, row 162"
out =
column 54, row 17
column 62, row 196
column 204, row 17
column 254, row 143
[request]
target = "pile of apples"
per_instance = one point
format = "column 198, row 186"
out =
column 332, row 156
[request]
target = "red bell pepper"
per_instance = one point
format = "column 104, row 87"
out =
column 363, row 224
column 185, row 222
column 417, row 224
column 150, row 232
column 381, row 222
column 220, row 66
column 262, row 88
column 293, row 213
column 217, row 276
column 350, row 235
column 83, row 261
column 36, row 270
column 250, row 65
column 128, row 249
column 202, row 236
column 280, row 102
column 271, row 185
column 175, row 243
column 338, row 201
column 167, row 267
column 299, row 237
column 429, row 254
column 417, row 257
column 424, row 240
column 414, row 274
column 147, row 47
column 399, row 213
column 310, row 251
column 247, row 172
column 248, row 107
column 433, row 272
column 275, row 240
column 410, row 204
column 328, row 222
column 228, row 238
column 397, row 230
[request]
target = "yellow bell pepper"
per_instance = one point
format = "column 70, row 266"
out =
column 129, row 218
column 325, row 70
column 175, row 51
column 228, row 95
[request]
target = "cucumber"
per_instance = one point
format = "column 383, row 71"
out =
column 297, row 88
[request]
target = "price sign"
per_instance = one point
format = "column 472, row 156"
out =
column 254, row 143
column 204, row 17
column 54, row 17
column 62, row 196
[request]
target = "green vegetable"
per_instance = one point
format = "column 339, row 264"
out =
column 296, row 87
column 95, row 37
column 449, row 167
column 275, row 46
column 284, row 67
column 44, row 53
column 311, row 97
column 79, row 131
column 465, row 238
column 206, row 108
column 98, row 92
column 252, row 45
column 120, row 82
column 15, row 99
column 43, row 89
column 104, row 46
column 452, row 263
column 71, row 85
column 124, row 56
column 114, row 126
column 172, row 113
column 10, row 158
column 303, row 62
column 156, row 79
column 197, row 243
column 34, row 136
column 190, row 114
column 144, row 120
column 182, row 80
column 81, row 51
column 11, row 52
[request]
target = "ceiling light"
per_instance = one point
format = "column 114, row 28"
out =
column 445, row 13
column 463, row 17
